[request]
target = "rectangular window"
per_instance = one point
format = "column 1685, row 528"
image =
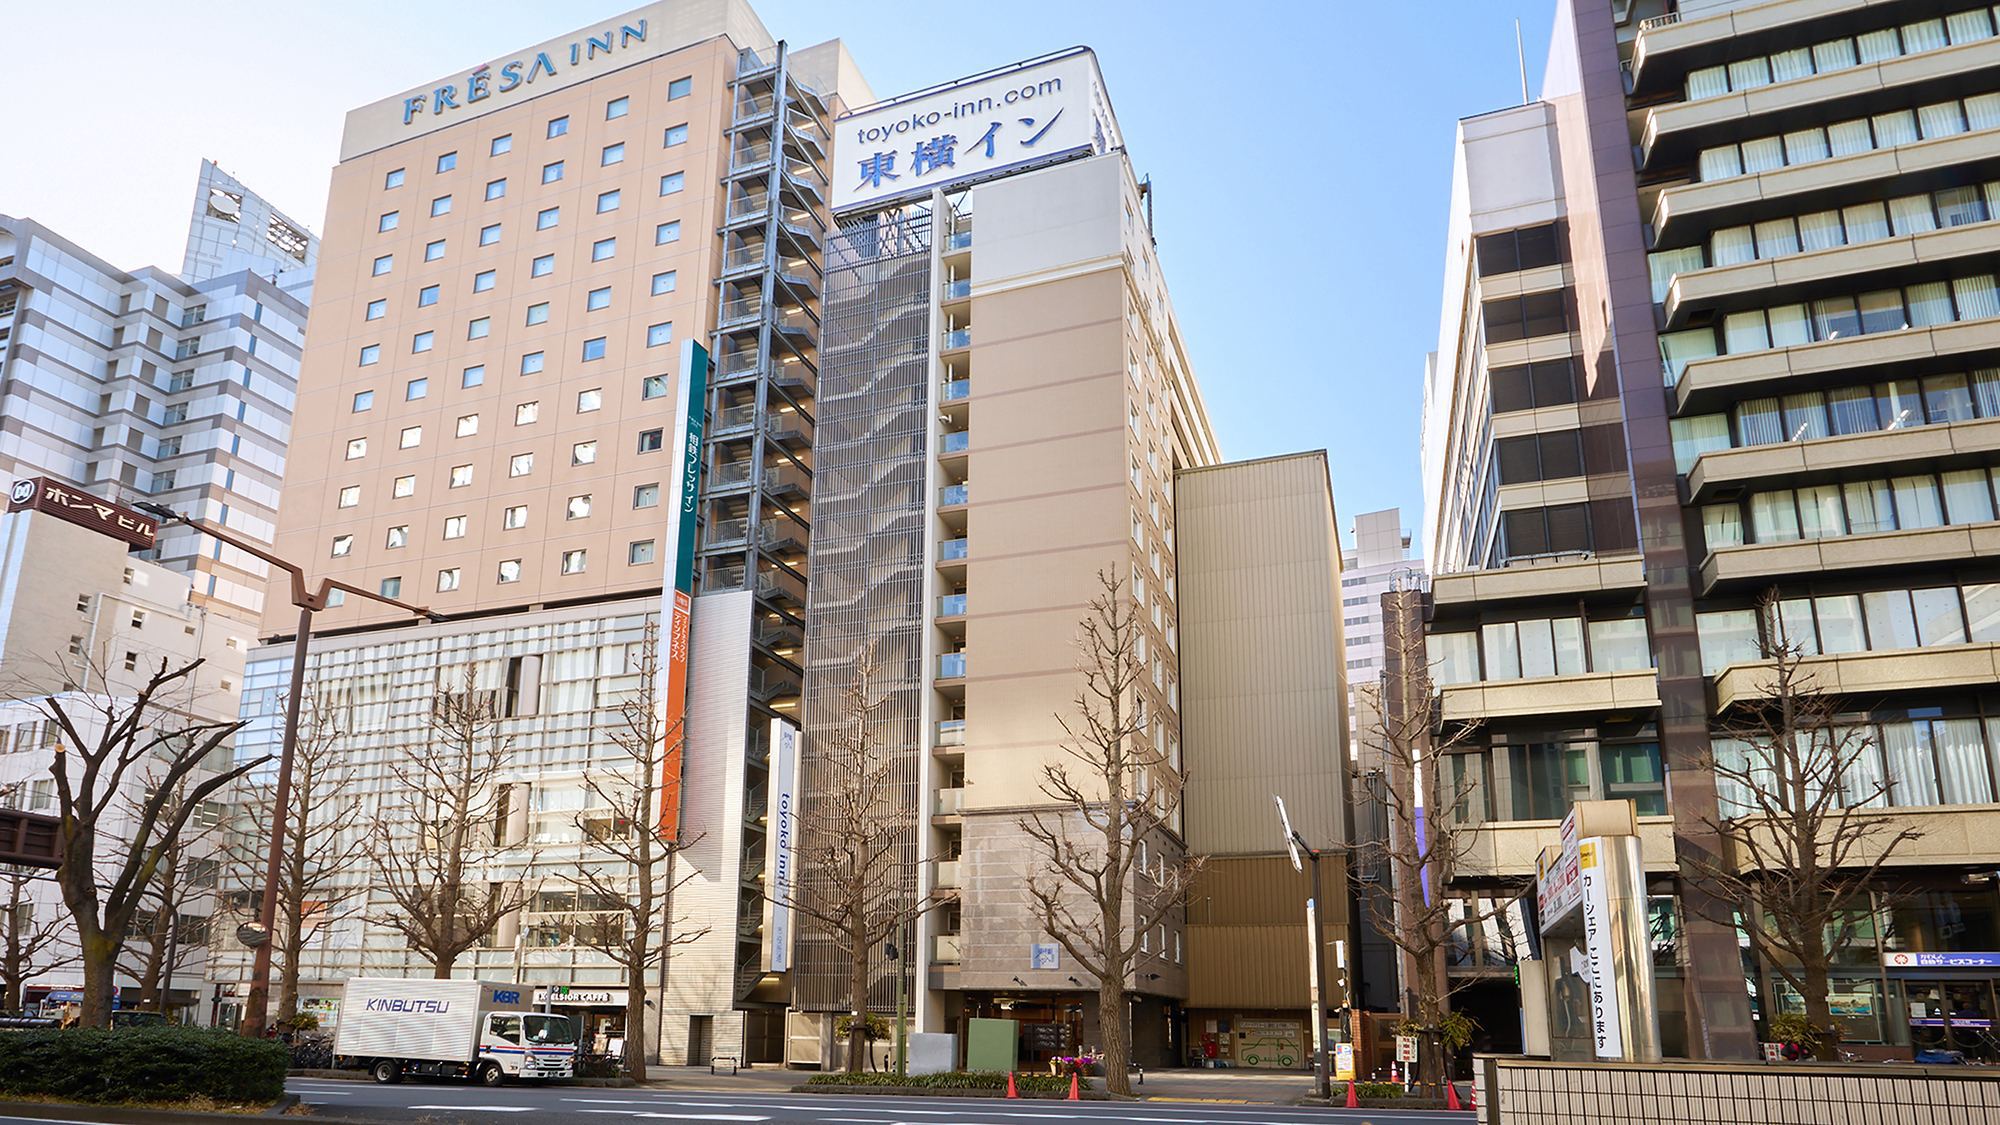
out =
column 577, row 508
column 422, row 341
column 434, row 250
column 447, row 580
column 489, row 235
column 616, row 108
column 672, row 183
column 461, row 476
column 440, row 206
column 531, row 364
column 483, row 281
column 680, row 88
column 597, row 299
column 388, row 222
column 515, row 518
column 454, row 527
column 350, row 495
column 664, row 283
column 593, row 349
column 521, row 464
column 427, row 296
column 363, row 400
column 612, row 154
column 509, row 571
column 526, row 413
column 371, row 354
column 650, row 441
column 404, row 486
column 552, row 171
column 412, row 436
column 547, row 217
column 538, row 313
column 646, row 496
column 1512, row 251
column 472, row 377
column 343, row 545
column 447, row 162
column 603, row 249
column 658, row 334
column 572, row 562
column 391, row 587
column 583, row 453
column 653, row 386
column 640, row 553
column 416, row 389
column 393, row 179
column 468, row 425
column 667, row 232
column 542, row 266
column 676, row 135
column 378, row 308
column 496, row 189
column 608, row 201
column 384, row 264
column 397, row 537
column 589, row 400
column 504, row 143
column 558, row 126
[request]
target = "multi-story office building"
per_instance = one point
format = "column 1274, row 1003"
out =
column 1719, row 318
column 234, row 229
column 1379, row 560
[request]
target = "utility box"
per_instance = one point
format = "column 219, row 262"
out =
column 992, row 1044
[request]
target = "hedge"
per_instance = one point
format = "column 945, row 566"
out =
column 159, row 1064
column 1024, row 1081
column 1371, row 1090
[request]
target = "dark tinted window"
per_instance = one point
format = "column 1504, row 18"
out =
column 1555, row 382
column 1517, row 460
column 1549, row 383
column 1525, row 249
column 1550, row 456
column 1541, row 531
column 1526, row 533
column 1511, row 388
column 1562, row 455
column 1520, row 318
column 1569, row 528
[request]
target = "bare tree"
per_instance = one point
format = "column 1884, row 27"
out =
column 107, row 744
column 165, row 938
column 1431, row 829
column 633, row 893
column 449, row 799
column 855, row 847
column 1116, row 795
column 326, row 840
column 1796, row 784
column 28, row 947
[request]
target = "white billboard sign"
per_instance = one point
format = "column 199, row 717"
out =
column 1031, row 113
column 783, row 825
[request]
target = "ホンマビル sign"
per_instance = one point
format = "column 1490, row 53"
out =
column 40, row 494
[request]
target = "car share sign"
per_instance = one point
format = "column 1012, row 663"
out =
column 1034, row 112
column 40, row 494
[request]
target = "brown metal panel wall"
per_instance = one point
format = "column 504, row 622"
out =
column 1247, row 936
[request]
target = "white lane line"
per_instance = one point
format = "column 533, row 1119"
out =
column 679, row 1116
column 481, row 1108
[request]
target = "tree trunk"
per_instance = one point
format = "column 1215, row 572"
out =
column 288, row 981
column 857, row 1029
column 1820, row 1013
column 635, row 997
column 100, row 969
column 1113, row 1029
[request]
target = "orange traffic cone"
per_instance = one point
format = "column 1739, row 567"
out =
column 1011, row 1092
column 1073, row 1094
column 1451, row 1096
column 1352, row 1101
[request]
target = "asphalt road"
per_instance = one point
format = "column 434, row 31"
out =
column 451, row 1104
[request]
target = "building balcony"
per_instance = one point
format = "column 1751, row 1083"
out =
column 1726, row 472
column 951, row 605
column 950, row 734
column 781, row 586
column 1753, row 566
column 954, row 445
column 951, row 666
column 1950, row 836
column 955, row 390
column 1870, row 674
column 958, row 289
column 952, row 554
column 957, row 339
column 749, row 157
column 771, row 684
column 1501, row 850
column 950, row 802
column 1819, row 273
column 1715, row 383
column 1561, row 578
column 954, row 495
column 1588, row 693
column 947, row 948
column 947, row 875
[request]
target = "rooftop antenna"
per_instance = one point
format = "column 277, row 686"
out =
column 1521, row 60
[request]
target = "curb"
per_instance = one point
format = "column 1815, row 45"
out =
column 147, row 1115
column 948, row 1092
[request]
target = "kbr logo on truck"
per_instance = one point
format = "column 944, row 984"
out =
column 506, row 996
column 403, row 1004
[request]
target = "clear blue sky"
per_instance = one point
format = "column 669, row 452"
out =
column 1300, row 151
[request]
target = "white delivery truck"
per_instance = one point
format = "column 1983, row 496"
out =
column 450, row 1028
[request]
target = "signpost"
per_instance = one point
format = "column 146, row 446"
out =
column 1316, row 955
column 678, row 612
column 41, row 494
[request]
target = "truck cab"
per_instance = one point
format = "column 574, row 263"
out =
column 529, row 1044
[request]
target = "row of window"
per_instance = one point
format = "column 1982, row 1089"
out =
column 1530, row 386
column 1515, row 250
column 1537, row 647
column 1854, row 508
column 1824, row 230
column 588, row 401
column 1544, row 778
column 1600, row 526
column 671, row 183
column 1526, row 317
column 1840, row 54
column 1876, row 621
column 1897, row 404
column 521, row 464
column 1914, row 763
column 481, row 327
column 1923, row 305
column 557, row 127
column 596, row 300
column 639, row 552
column 543, row 265
column 1845, row 138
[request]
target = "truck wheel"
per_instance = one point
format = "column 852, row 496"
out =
column 490, row 1074
column 387, row 1071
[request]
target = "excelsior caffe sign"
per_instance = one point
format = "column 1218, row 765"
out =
column 40, row 494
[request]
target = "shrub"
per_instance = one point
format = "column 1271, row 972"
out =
column 156, row 1064
column 1024, row 1081
column 1372, row 1090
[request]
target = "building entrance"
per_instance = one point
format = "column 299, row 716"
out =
column 1953, row 1015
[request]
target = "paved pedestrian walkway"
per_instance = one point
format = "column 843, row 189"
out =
column 1244, row 1086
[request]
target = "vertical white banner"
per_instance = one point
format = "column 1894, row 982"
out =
column 1606, row 1022
column 781, row 844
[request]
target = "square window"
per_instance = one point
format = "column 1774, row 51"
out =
column 388, row 222
column 650, row 440
column 590, row 400
column 667, row 232
column 597, row 299
column 350, row 496
column 572, row 562
column 357, row 448
column 676, row 135
column 583, row 453
column 664, row 283
column 578, row 507
column 478, row 328
column 616, row 108
column 558, row 127
column 391, row 588
column 468, row 425
column 483, row 281
column 515, row 518
column 531, row 364
column 593, row 348
column 526, row 413
column 658, row 334
column 447, row 580
column 672, row 183
column 448, row 161
column 422, row 341
column 680, row 88
column 378, row 308
column 646, row 496
column 440, row 206
column 521, row 464
column 416, row 389
column 538, row 313
column 489, row 235
column 363, row 400
column 427, row 296
column 384, row 264
column 510, row 571
column 542, row 266
column 608, row 201
column 504, row 143
column 404, row 486
column 434, row 251
column 547, row 217
column 496, row 189
column 640, row 552
column 454, row 527
column 612, row 154
column 603, row 249
column 461, row 476
column 653, row 386
column 394, row 179
column 412, row 437
column 552, row 171
column 398, row 537
column 371, row 354
column 472, row 376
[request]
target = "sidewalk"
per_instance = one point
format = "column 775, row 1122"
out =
column 1241, row 1086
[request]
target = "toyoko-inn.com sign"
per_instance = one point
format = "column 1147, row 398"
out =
column 1027, row 114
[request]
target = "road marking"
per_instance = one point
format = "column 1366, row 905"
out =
column 678, row 1116
column 481, row 1108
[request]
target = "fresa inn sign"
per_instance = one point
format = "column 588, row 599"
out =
column 495, row 79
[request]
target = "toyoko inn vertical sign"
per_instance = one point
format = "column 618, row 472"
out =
column 677, row 614
column 1034, row 112
column 782, row 820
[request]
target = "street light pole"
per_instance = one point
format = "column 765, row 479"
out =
column 257, row 1006
column 1316, row 925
